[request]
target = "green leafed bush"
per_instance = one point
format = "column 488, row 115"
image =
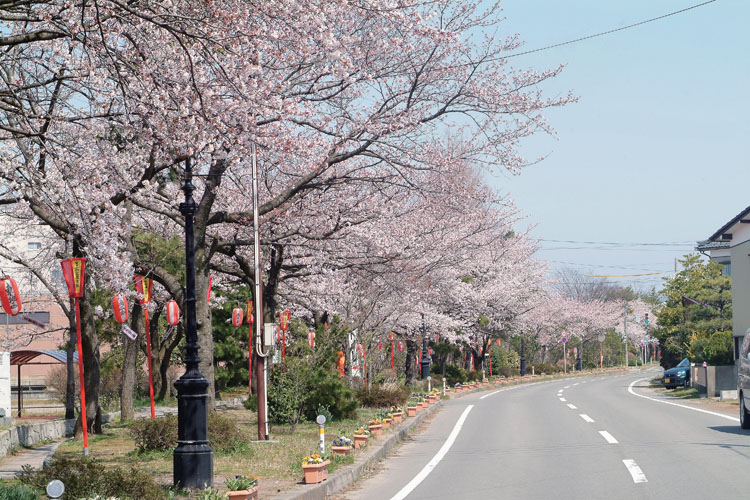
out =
column 85, row 477
column 155, row 434
column 382, row 395
column 161, row 433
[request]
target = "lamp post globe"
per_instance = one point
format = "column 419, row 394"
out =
column 193, row 459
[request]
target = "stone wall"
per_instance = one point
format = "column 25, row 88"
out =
column 32, row 434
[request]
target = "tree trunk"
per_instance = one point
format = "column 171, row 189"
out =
column 205, row 333
column 90, row 346
column 129, row 364
column 167, row 349
column 70, row 382
column 411, row 356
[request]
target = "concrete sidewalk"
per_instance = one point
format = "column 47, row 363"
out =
column 35, row 457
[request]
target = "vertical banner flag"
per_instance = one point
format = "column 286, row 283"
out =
column 74, row 271
column 144, row 287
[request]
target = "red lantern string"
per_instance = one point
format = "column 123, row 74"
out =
column 10, row 296
column 237, row 313
column 120, row 307
column 173, row 313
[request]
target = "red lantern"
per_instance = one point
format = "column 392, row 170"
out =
column 74, row 271
column 173, row 312
column 143, row 287
column 311, row 339
column 400, row 346
column 237, row 316
column 210, row 284
column 498, row 341
column 9, row 296
column 391, row 336
column 380, row 346
column 429, row 351
column 120, row 306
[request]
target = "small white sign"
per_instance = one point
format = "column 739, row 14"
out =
column 132, row 335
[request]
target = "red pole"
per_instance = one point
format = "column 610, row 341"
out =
column 489, row 355
column 601, row 357
column 150, row 372
column 392, row 355
column 84, row 422
column 283, row 349
column 250, row 358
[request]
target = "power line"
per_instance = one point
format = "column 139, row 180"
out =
column 609, row 31
column 663, row 244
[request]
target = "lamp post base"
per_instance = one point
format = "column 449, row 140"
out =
column 523, row 366
column 193, row 459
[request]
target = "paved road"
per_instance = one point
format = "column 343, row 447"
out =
column 585, row 438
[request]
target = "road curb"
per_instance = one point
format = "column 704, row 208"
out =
column 348, row 475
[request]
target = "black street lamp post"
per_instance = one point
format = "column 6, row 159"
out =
column 523, row 356
column 193, row 459
column 425, row 364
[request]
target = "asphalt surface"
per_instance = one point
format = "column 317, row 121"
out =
column 585, row 438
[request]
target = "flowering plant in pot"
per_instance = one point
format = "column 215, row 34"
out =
column 361, row 436
column 242, row 488
column 315, row 467
column 342, row 446
column 376, row 427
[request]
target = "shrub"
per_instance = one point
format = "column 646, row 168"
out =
column 223, row 432
column 251, row 403
column 161, row 433
column 454, row 374
column 155, row 434
column 85, row 477
column 545, row 368
column 382, row 396
column 329, row 390
column 18, row 492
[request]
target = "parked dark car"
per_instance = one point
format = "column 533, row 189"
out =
column 677, row 376
column 743, row 381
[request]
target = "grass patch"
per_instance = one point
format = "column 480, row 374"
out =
column 277, row 464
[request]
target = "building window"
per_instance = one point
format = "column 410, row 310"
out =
column 34, row 245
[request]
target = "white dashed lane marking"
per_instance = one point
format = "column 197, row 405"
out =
column 635, row 472
column 610, row 439
column 586, row 417
column 572, row 407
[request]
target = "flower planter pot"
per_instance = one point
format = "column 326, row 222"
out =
column 376, row 430
column 341, row 451
column 411, row 411
column 360, row 440
column 316, row 473
column 397, row 417
column 251, row 494
column 386, row 423
column 419, row 407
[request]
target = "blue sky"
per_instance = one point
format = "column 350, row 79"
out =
column 656, row 149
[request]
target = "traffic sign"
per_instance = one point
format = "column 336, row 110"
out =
column 564, row 338
column 601, row 337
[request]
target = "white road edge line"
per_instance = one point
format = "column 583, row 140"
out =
column 572, row 407
column 630, row 389
column 609, row 437
column 435, row 460
column 567, row 387
column 635, row 472
column 490, row 394
column 586, row 417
